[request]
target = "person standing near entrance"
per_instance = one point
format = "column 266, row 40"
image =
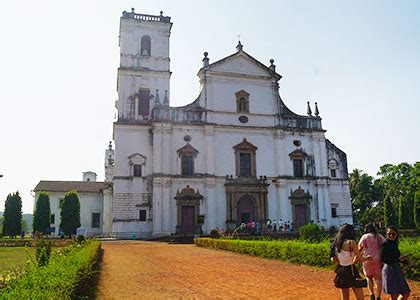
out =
column 393, row 279
column 371, row 243
column 274, row 226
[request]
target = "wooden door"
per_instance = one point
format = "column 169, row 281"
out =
column 188, row 220
column 300, row 215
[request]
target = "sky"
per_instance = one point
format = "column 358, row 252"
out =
column 359, row 60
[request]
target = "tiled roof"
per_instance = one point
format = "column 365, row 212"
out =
column 65, row 186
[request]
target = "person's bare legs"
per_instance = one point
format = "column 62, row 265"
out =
column 403, row 297
column 358, row 292
column 378, row 284
column 370, row 285
column 345, row 295
column 394, row 296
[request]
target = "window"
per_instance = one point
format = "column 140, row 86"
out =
column 142, row 215
column 298, row 168
column 245, row 164
column 245, row 159
column 333, row 173
column 96, row 220
column 187, row 165
column 52, row 218
column 136, row 170
column 187, row 155
column 334, row 212
column 145, row 45
column 144, row 99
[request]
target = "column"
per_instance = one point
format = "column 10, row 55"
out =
column 210, row 220
column 157, row 206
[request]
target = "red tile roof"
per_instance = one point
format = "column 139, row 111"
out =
column 64, row 186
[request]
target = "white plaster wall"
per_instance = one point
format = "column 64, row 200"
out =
column 89, row 203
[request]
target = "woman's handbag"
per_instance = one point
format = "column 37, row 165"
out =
column 359, row 282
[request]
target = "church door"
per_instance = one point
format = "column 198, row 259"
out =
column 245, row 210
column 188, row 220
column 300, row 215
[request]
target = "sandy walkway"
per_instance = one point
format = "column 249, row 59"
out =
column 149, row 270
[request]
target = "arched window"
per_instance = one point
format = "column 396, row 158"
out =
column 145, row 48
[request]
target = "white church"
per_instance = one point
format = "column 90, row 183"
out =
column 234, row 154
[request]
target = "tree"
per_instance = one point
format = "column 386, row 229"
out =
column 361, row 192
column 12, row 225
column 41, row 221
column 389, row 216
column 403, row 213
column 417, row 209
column 70, row 213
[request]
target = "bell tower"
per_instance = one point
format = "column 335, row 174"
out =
column 144, row 71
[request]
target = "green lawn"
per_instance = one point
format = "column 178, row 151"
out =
column 11, row 257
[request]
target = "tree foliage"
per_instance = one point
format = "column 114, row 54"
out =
column 70, row 213
column 12, row 225
column 41, row 221
column 389, row 216
column 403, row 213
column 417, row 209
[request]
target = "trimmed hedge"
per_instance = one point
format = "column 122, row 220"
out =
column 312, row 254
column 298, row 252
column 67, row 275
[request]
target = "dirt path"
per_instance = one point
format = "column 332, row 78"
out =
column 149, row 270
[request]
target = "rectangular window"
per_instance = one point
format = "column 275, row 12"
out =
column 245, row 164
column 298, row 168
column 144, row 98
column 333, row 173
column 334, row 212
column 137, row 170
column 52, row 218
column 187, row 165
column 96, row 220
column 142, row 215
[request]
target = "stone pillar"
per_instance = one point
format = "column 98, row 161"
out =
column 157, row 148
column 210, row 220
column 166, row 148
column 323, row 157
column 107, row 212
column 136, row 108
column 317, row 154
column 210, row 150
column 157, row 206
column 166, row 206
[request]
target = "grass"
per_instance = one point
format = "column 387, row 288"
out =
column 11, row 257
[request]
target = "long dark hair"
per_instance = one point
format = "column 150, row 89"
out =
column 394, row 228
column 346, row 232
column 370, row 228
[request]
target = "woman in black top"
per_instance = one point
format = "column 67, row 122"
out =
column 393, row 281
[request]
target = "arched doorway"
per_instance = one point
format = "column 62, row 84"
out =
column 188, row 207
column 245, row 208
column 301, row 211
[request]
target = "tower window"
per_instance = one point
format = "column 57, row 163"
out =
column 298, row 168
column 144, row 99
column 333, row 173
column 145, row 45
column 187, row 165
column 334, row 212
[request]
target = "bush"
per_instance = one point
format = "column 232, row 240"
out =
column 311, row 233
column 214, row 233
column 292, row 251
column 43, row 252
column 68, row 275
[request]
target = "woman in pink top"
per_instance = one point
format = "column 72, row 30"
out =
column 370, row 243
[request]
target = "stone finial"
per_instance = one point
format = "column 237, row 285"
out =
column 161, row 13
column 272, row 65
column 239, row 47
column 205, row 59
column 316, row 109
column 309, row 111
column 110, row 145
column 132, row 10
column 157, row 100
column 166, row 98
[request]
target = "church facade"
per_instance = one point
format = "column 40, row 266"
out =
column 234, row 154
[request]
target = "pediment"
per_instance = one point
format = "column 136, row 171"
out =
column 187, row 150
column 298, row 154
column 299, row 193
column 242, row 65
column 245, row 145
column 137, row 159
